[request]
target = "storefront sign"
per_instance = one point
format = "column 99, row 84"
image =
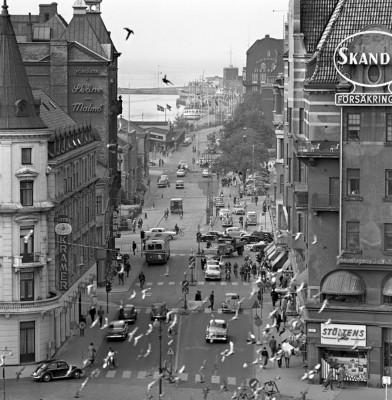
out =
column 376, row 42
column 87, row 71
column 90, row 108
column 116, row 224
column 343, row 335
column 360, row 261
column 63, row 229
column 360, row 99
column 82, row 88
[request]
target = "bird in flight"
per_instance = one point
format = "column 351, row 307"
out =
column 166, row 81
column 130, row 32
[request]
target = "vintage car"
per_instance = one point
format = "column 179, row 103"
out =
column 213, row 272
column 117, row 330
column 180, row 184
column 227, row 221
column 55, row 369
column 127, row 313
column 181, row 172
column 216, row 331
column 158, row 311
column 231, row 303
column 158, row 233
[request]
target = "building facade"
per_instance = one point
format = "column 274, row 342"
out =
column 335, row 175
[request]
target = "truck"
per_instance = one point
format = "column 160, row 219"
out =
column 226, row 246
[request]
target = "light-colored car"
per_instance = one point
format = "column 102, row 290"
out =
column 179, row 184
column 153, row 232
column 219, row 202
column 182, row 164
column 251, row 218
column 223, row 212
column 206, row 173
column 235, row 229
column 232, row 303
column 227, row 220
column 238, row 210
column 213, row 272
column 217, row 330
column 257, row 246
column 181, row 172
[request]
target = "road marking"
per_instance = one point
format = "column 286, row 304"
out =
column 198, row 378
column 215, row 379
column 141, row 375
column 172, row 283
column 201, row 283
column 212, row 283
column 110, row 374
column 148, row 309
column 223, row 283
column 155, row 375
column 184, row 376
column 160, row 283
column 149, row 283
column 126, row 374
column 234, row 283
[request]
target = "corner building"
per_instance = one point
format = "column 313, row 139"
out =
column 337, row 183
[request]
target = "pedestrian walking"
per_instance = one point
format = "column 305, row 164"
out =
column 274, row 297
column 264, row 356
column 212, row 299
column 127, row 268
column 134, row 247
column 287, row 355
column 341, row 376
column 134, row 225
column 101, row 313
column 121, row 277
column 92, row 313
column 198, row 296
column 329, row 379
column 278, row 319
column 91, row 353
column 142, row 279
column 272, row 345
column 279, row 355
column 256, row 199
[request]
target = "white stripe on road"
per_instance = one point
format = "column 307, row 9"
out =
column 126, row 374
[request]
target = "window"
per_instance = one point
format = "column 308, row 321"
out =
column 254, row 77
column 26, row 156
column 26, row 286
column 301, row 224
column 388, row 122
column 281, row 183
column 26, row 193
column 353, row 182
column 353, row 126
column 387, row 345
column 263, row 77
column 352, row 235
column 388, row 183
column 98, row 203
column 27, row 341
column 301, row 121
column 27, row 243
column 290, row 119
column 388, row 237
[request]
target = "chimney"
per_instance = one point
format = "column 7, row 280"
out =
column 29, row 35
column 267, row 36
column 37, row 106
column 53, row 9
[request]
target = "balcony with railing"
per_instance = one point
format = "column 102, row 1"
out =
column 325, row 202
column 301, row 200
column 30, row 258
column 317, row 149
column 22, row 307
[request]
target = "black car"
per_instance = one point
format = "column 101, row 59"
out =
column 127, row 313
column 258, row 236
column 56, row 369
column 152, row 164
column 211, row 236
column 158, row 311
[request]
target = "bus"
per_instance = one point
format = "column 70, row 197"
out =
column 176, row 205
column 157, row 250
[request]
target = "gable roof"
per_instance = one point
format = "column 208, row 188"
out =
column 315, row 15
column 350, row 16
column 17, row 105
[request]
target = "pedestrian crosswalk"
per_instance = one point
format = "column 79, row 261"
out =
column 206, row 310
column 198, row 283
column 183, row 377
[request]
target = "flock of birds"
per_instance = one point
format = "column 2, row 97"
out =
column 135, row 336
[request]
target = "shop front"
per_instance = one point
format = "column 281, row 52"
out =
column 335, row 345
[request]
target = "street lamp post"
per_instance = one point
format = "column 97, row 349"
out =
column 4, row 352
column 158, row 324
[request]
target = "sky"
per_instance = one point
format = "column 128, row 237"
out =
column 203, row 35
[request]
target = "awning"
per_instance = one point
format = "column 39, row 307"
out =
column 343, row 282
column 302, row 277
column 287, row 265
column 278, row 258
column 387, row 290
column 270, row 250
column 269, row 245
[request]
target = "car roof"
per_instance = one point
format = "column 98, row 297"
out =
column 218, row 321
column 232, row 294
column 119, row 322
column 179, row 181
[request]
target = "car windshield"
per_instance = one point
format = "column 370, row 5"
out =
column 220, row 325
column 214, row 267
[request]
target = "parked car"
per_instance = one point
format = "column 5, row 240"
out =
column 56, row 369
column 179, row 184
column 213, row 272
column 238, row 210
column 218, row 202
column 216, row 330
column 129, row 312
column 211, row 236
column 258, row 246
column 117, row 330
column 158, row 311
column 187, row 142
column 152, row 164
column 181, row 172
column 223, row 212
column 206, row 173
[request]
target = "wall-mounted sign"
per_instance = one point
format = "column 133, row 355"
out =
column 343, row 335
column 90, row 108
column 63, row 229
column 116, row 224
column 360, row 99
column 364, row 261
column 87, row 71
column 82, row 88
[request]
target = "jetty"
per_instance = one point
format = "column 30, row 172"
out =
column 173, row 90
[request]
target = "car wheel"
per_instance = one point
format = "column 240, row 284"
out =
column 47, row 377
column 170, row 237
column 76, row 374
column 211, row 340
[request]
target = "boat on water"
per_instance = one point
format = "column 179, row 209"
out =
column 194, row 114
